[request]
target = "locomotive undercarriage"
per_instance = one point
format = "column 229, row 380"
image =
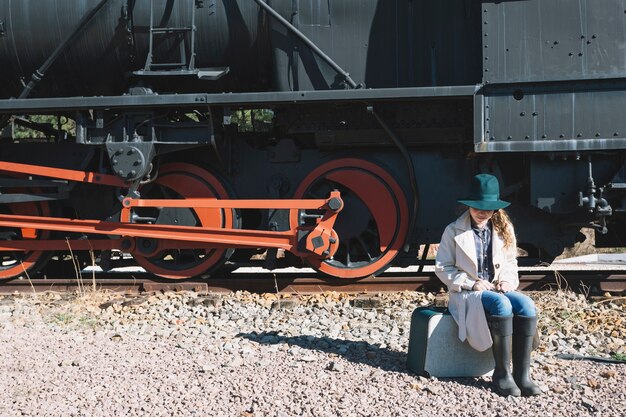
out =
column 185, row 189
column 190, row 232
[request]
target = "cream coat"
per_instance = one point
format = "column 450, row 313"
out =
column 457, row 267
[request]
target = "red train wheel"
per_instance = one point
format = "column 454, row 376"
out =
column 373, row 223
column 15, row 264
column 181, row 180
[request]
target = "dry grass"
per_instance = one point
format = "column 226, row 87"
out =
column 566, row 314
column 80, row 308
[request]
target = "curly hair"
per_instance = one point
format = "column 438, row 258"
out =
column 503, row 227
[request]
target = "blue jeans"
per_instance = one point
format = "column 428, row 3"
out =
column 507, row 303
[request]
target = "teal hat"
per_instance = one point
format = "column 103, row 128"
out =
column 484, row 193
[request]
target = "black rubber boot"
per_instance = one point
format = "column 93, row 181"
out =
column 501, row 328
column 524, row 329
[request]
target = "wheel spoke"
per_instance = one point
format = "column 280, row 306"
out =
column 348, row 261
column 365, row 249
column 371, row 232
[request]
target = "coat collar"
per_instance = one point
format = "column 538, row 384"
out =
column 464, row 237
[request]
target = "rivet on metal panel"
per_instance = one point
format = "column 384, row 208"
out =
column 523, row 114
column 526, row 137
column 535, row 113
column 492, row 138
column 615, row 133
column 597, row 134
column 579, row 135
column 594, row 36
column 543, row 136
column 580, row 54
column 570, row 54
column 509, row 137
column 561, row 135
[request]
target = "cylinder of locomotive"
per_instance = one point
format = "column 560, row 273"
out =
column 229, row 33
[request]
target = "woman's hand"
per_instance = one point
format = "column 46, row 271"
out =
column 504, row 287
column 482, row 285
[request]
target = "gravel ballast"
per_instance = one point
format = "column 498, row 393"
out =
column 182, row 354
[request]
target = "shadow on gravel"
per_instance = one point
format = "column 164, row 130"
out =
column 353, row 351
column 356, row 352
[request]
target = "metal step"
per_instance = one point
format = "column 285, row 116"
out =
column 208, row 74
column 171, row 30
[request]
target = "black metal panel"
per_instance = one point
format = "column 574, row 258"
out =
column 553, row 117
column 555, row 183
column 383, row 43
column 539, row 40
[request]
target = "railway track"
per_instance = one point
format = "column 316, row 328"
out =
column 590, row 281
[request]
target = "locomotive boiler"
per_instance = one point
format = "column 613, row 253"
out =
column 192, row 134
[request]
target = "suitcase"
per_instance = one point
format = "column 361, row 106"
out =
column 435, row 348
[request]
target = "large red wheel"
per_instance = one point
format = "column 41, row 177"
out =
column 18, row 263
column 373, row 224
column 181, row 181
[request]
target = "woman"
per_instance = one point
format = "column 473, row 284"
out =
column 477, row 262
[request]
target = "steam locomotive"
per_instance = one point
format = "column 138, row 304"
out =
column 335, row 134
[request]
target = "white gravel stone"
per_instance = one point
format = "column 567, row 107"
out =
column 174, row 354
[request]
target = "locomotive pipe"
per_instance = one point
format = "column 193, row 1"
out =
column 41, row 72
column 409, row 166
column 309, row 43
column 38, row 75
